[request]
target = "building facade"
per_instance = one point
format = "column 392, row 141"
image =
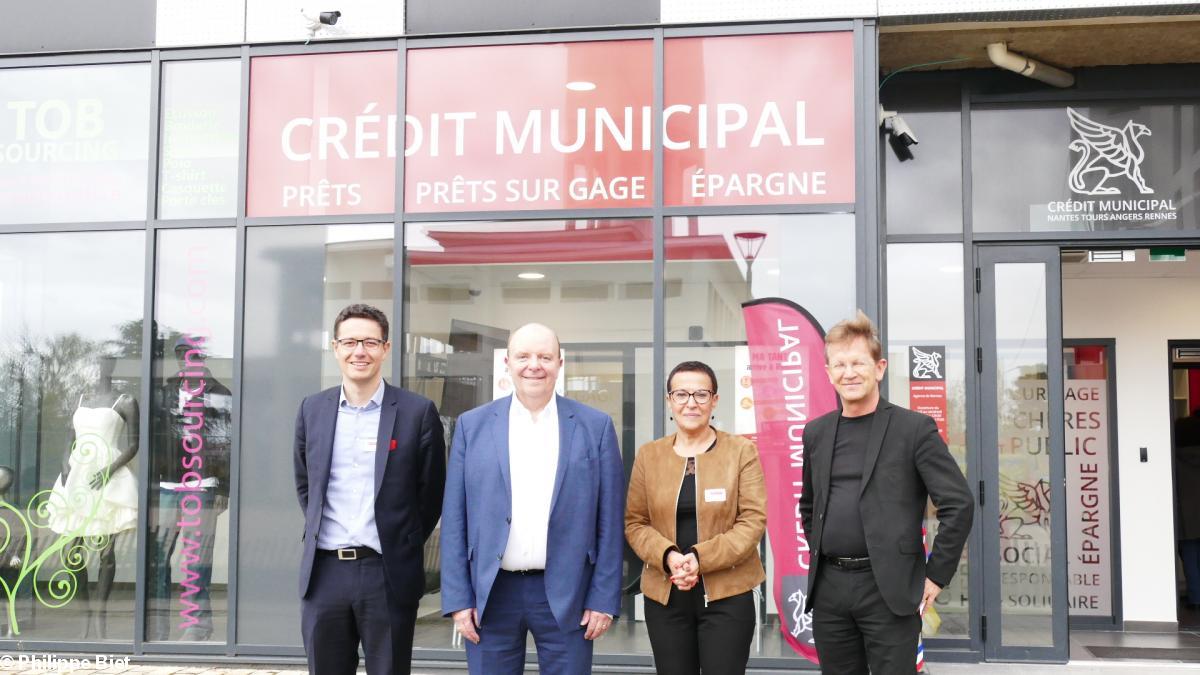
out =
column 189, row 192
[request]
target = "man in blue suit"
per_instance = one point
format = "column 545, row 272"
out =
column 532, row 521
column 370, row 467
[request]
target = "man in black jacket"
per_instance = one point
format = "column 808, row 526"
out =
column 868, row 471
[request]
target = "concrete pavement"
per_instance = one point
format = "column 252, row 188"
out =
column 14, row 664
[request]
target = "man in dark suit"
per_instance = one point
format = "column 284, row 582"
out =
column 533, row 525
column 370, row 468
column 868, row 472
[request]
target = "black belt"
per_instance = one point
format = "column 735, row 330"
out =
column 352, row 553
column 524, row 573
column 848, row 564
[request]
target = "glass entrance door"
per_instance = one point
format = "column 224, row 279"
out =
column 1021, row 491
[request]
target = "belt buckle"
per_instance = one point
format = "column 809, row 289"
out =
column 347, row 554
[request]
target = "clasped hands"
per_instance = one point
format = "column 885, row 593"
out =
column 685, row 570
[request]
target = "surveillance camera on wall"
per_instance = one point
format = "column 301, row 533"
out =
column 315, row 23
column 900, row 135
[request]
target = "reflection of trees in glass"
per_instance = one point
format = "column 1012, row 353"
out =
column 51, row 374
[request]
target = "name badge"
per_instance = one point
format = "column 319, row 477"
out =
column 714, row 495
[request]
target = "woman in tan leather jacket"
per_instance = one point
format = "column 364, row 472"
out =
column 696, row 511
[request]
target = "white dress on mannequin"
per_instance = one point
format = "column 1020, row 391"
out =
column 74, row 507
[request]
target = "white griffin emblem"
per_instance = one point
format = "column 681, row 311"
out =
column 926, row 364
column 1108, row 151
column 800, row 621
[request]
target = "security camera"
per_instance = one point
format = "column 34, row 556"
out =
column 900, row 135
column 315, row 23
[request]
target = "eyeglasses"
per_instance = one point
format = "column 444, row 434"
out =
column 680, row 397
column 350, row 344
column 860, row 366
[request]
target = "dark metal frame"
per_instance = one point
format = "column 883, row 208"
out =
column 868, row 235
column 1117, row 620
column 994, row 648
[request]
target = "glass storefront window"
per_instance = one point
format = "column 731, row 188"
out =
column 74, row 143
column 191, row 434
column 70, row 373
column 807, row 259
column 470, row 284
column 1085, row 168
column 544, row 126
column 924, row 195
column 322, row 134
column 736, row 132
column 927, row 373
column 201, row 110
column 297, row 279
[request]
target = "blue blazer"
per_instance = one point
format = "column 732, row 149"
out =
column 408, row 482
column 585, row 539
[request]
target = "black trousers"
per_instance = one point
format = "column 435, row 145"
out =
column 854, row 630
column 688, row 638
column 347, row 603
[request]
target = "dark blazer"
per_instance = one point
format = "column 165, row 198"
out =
column 585, row 540
column 408, row 482
column 906, row 463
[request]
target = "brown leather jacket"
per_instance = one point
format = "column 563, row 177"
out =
column 731, row 514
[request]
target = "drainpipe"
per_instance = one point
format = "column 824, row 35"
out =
column 1023, row 65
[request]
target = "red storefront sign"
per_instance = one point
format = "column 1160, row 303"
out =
column 759, row 119
column 322, row 134
column 555, row 126
column 516, row 127
column 927, row 384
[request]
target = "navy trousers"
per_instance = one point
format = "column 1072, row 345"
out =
column 347, row 603
column 516, row 607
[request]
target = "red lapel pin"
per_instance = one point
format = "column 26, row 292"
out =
column 392, row 446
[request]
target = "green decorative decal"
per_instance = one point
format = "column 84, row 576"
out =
column 63, row 516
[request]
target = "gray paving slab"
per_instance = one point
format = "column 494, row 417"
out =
column 11, row 667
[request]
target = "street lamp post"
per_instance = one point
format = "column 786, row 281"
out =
column 749, row 244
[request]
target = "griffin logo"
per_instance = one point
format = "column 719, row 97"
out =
column 1106, row 152
column 926, row 365
column 801, row 622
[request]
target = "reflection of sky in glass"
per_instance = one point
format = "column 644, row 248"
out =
column 808, row 259
column 195, row 284
column 925, row 292
column 86, row 111
column 352, row 233
column 201, row 104
column 86, row 282
column 924, row 195
column 1021, row 314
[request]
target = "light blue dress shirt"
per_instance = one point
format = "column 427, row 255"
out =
column 349, row 515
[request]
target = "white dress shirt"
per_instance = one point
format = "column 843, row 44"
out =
column 532, row 463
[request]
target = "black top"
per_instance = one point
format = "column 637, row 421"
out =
column 685, row 510
column 843, row 532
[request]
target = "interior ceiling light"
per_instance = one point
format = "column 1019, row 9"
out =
column 1111, row 256
column 581, row 85
column 531, row 276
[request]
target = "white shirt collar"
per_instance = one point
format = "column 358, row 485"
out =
column 550, row 412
